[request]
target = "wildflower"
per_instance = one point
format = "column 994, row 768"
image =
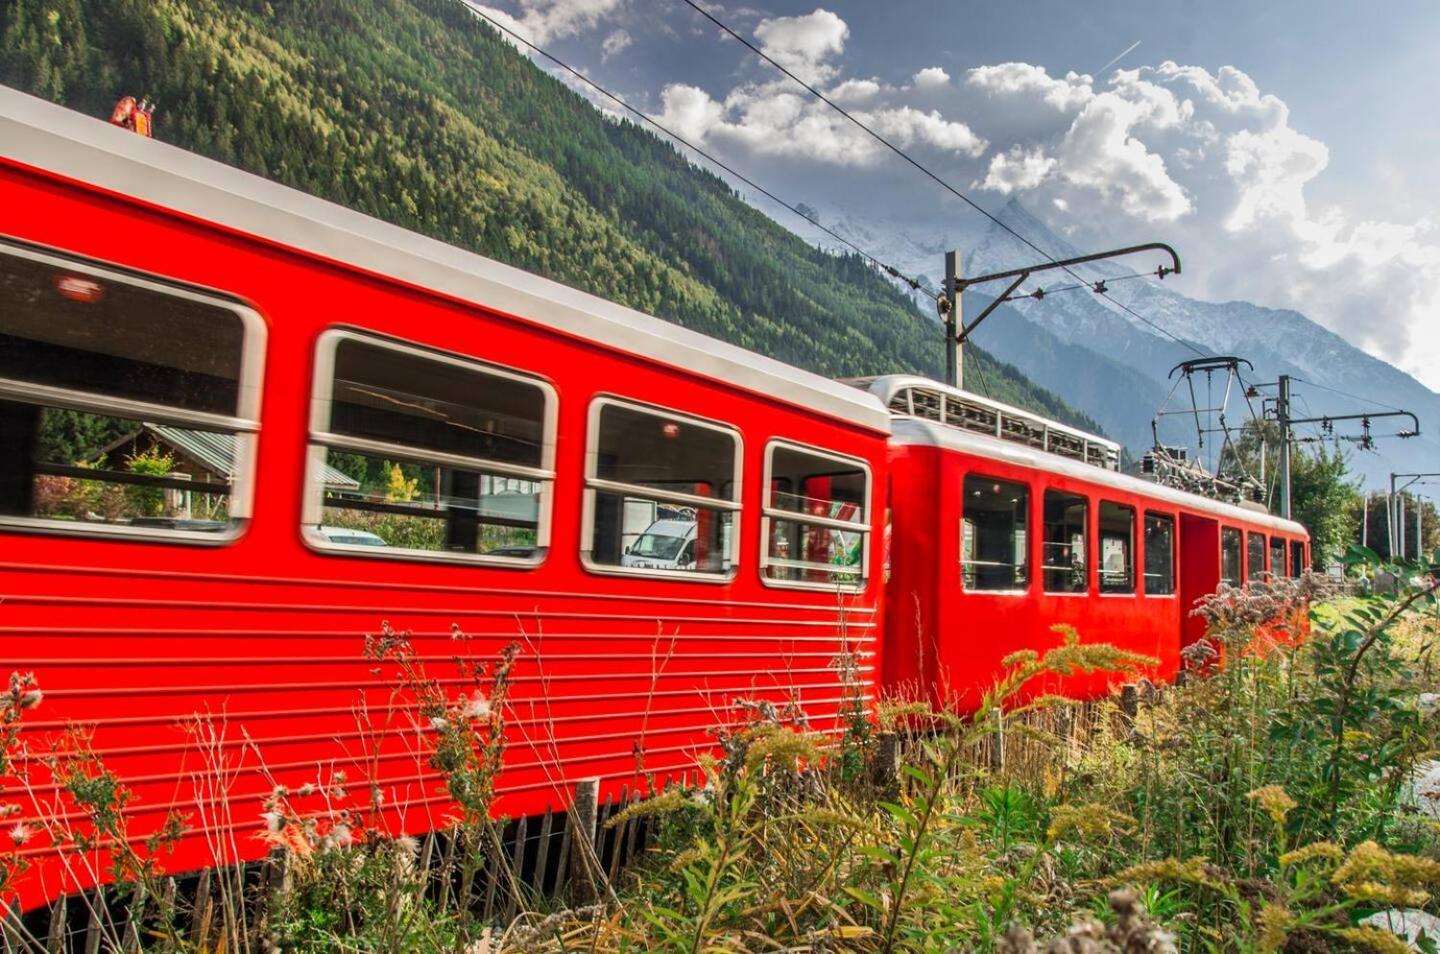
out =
column 1319, row 849
column 1275, row 801
column 1275, row 921
column 1377, row 939
column 7, row 810
column 408, row 844
column 307, row 789
column 477, row 708
column 21, row 833
column 439, row 723
column 274, row 821
column 31, row 699
column 1089, row 821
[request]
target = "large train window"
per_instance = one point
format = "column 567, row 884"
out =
column 993, row 538
column 663, row 490
column 418, row 453
column 1297, row 558
column 1277, row 556
column 1117, row 548
column 1159, row 554
column 1063, row 551
column 128, row 406
column 1231, row 565
column 1255, row 556
column 815, row 526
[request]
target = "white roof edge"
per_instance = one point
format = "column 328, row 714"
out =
column 38, row 133
column 912, row 431
column 885, row 386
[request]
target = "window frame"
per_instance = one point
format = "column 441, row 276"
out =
column 1174, row 554
column 1029, row 536
column 768, row 512
column 1297, row 560
column 594, row 485
column 244, row 424
column 319, row 439
column 1239, row 552
column 1086, row 590
column 1284, row 548
column 1132, row 551
column 1250, row 575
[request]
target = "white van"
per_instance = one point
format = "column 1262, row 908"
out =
column 667, row 544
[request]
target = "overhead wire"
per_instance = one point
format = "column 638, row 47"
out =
column 924, row 170
column 914, row 283
column 1353, row 397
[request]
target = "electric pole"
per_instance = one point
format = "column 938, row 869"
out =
column 1282, row 416
column 1395, row 507
column 952, row 312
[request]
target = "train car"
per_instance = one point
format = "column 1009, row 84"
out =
column 243, row 428
column 1004, row 524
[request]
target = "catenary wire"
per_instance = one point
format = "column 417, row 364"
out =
column 1353, row 397
column 924, row 170
column 884, row 266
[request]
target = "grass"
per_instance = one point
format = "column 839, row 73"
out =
column 1263, row 806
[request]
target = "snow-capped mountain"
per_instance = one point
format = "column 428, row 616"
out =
column 1116, row 367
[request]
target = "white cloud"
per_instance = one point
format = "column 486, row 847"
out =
column 614, row 43
column 1020, row 169
column 855, row 91
column 540, row 21
column 931, row 77
column 804, row 44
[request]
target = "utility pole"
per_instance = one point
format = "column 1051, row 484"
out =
column 952, row 312
column 1365, row 520
column 1397, row 516
column 954, row 370
column 1282, row 416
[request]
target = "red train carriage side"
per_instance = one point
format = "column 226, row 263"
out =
column 242, row 426
column 1004, row 524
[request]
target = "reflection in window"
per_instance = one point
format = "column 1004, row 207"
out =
column 1117, row 548
column 427, row 453
column 1159, row 554
column 1277, row 556
column 1230, row 556
column 156, row 431
column 1255, row 556
column 815, row 518
column 1064, row 552
column 664, row 491
column 993, row 537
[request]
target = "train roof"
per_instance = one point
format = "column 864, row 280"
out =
column 912, row 431
column 40, row 134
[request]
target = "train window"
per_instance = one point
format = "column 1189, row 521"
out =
column 815, row 522
column 1255, row 556
column 1230, row 556
column 1159, row 554
column 1063, row 551
column 420, row 453
column 128, row 406
column 663, row 492
column 1297, row 558
column 993, row 539
column 1277, row 556
column 1117, row 548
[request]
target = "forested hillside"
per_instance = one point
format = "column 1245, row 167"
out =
column 416, row 112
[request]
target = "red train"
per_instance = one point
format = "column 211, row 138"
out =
column 243, row 426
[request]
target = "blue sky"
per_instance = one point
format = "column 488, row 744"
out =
column 1290, row 149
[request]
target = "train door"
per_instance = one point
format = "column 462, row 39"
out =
column 1199, row 570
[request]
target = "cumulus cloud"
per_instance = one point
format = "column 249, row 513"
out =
column 804, row 44
column 931, row 77
column 541, row 21
column 614, row 43
column 1017, row 170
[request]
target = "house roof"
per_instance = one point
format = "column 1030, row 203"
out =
column 217, row 452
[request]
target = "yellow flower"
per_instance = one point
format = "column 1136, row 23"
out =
column 1275, row 801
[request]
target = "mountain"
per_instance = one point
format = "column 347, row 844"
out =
column 1116, row 367
column 416, row 112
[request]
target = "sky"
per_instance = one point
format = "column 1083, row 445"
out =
column 1289, row 149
